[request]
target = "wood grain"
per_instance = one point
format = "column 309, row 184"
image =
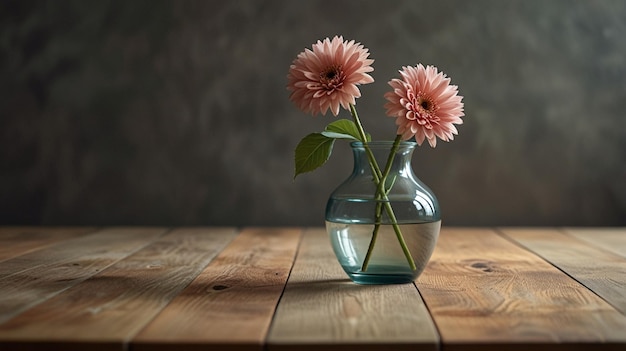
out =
column 602, row 271
column 230, row 305
column 485, row 292
column 322, row 309
column 31, row 278
column 610, row 239
column 105, row 311
column 15, row 241
column 191, row 289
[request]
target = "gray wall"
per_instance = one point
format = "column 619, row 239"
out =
column 176, row 113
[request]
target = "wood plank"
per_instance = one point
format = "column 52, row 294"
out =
column 485, row 292
column 230, row 305
column 31, row 278
column 15, row 241
column 600, row 270
column 105, row 311
column 321, row 309
column 611, row 239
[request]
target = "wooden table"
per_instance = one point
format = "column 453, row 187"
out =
column 282, row 289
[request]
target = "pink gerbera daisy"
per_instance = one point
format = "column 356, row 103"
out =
column 424, row 104
column 327, row 76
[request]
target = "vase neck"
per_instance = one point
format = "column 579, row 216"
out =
column 381, row 151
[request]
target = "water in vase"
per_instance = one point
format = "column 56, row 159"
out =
column 387, row 264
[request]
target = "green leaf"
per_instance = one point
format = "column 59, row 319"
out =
column 335, row 135
column 312, row 152
column 346, row 127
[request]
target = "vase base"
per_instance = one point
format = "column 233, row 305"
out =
column 383, row 279
column 378, row 277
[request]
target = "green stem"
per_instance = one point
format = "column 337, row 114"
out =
column 380, row 191
column 370, row 248
column 392, row 155
column 372, row 160
column 381, row 194
column 396, row 228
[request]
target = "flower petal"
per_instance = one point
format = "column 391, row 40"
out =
column 331, row 72
column 424, row 104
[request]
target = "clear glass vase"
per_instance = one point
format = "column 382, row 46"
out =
column 383, row 237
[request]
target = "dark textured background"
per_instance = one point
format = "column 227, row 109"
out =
column 176, row 112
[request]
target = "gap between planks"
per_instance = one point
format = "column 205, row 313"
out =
column 34, row 277
column 485, row 291
column 16, row 241
column 322, row 309
column 230, row 305
column 610, row 239
column 583, row 256
column 104, row 311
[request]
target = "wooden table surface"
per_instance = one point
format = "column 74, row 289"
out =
column 133, row 288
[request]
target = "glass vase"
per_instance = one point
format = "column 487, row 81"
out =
column 383, row 234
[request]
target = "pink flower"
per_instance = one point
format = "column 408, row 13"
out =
column 424, row 104
column 327, row 77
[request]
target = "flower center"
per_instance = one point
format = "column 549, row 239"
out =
column 424, row 109
column 332, row 78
